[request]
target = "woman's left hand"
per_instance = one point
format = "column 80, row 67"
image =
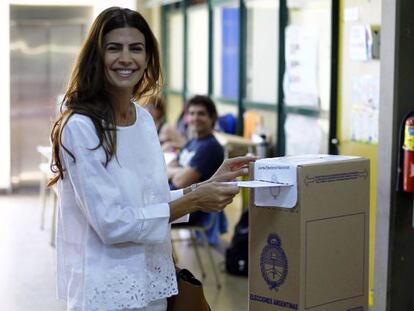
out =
column 232, row 168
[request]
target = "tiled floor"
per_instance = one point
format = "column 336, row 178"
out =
column 27, row 262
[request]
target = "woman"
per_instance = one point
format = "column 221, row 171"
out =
column 115, row 209
column 171, row 140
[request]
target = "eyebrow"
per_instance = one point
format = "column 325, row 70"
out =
column 120, row 44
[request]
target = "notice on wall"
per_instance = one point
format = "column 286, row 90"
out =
column 302, row 59
column 365, row 108
column 351, row 14
column 303, row 135
column 360, row 43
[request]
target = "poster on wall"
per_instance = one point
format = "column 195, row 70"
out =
column 365, row 108
column 300, row 81
column 360, row 43
column 304, row 135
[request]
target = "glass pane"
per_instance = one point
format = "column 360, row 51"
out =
column 226, row 51
column 175, row 50
column 306, row 135
column 307, row 79
column 262, row 51
column 197, row 72
column 308, row 55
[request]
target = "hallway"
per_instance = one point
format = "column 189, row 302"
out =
column 28, row 264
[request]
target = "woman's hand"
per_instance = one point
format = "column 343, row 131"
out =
column 214, row 196
column 232, row 168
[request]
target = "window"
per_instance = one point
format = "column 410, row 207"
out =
column 226, row 51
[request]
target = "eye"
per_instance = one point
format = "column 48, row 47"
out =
column 112, row 47
column 137, row 48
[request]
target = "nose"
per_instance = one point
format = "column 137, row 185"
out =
column 193, row 117
column 125, row 56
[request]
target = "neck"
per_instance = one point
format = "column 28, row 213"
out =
column 200, row 135
column 122, row 98
column 125, row 110
column 123, row 103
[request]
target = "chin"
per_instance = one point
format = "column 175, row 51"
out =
column 123, row 85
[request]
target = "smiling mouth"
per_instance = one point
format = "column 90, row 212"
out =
column 124, row 73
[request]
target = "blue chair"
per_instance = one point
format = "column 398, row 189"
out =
column 227, row 123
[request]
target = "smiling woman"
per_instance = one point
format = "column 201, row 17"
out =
column 115, row 207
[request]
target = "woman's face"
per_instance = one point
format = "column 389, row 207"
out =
column 125, row 58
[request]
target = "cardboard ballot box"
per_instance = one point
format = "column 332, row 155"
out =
column 308, row 237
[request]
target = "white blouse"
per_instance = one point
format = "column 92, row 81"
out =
column 113, row 237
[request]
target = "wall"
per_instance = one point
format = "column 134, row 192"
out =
column 358, row 12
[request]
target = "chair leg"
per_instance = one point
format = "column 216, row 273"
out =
column 43, row 194
column 210, row 255
column 54, row 220
column 197, row 252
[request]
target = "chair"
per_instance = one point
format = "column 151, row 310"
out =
column 227, row 123
column 46, row 194
column 202, row 232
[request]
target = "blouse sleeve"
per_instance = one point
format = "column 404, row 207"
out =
column 98, row 194
column 176, row 194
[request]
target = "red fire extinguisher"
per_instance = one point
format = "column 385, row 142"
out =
column 408, row 166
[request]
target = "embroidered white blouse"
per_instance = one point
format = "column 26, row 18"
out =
column 113, row 237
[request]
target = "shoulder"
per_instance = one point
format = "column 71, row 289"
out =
column 206, row 146
column 212, row 142
column 142, row 112
column 81, row 128
column 79, row 122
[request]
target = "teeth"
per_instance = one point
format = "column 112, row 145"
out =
column 124, row 72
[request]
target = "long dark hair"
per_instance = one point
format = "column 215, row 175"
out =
column 87, row 93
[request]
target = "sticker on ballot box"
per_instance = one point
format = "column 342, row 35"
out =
column 281, row 172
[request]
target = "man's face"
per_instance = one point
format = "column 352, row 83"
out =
column 199, row 120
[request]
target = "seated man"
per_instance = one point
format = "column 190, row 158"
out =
column 199, row 158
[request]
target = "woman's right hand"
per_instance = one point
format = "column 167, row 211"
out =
column 214, row 196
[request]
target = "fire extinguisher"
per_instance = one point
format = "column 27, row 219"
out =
column 405, row 168
column 408, row 147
